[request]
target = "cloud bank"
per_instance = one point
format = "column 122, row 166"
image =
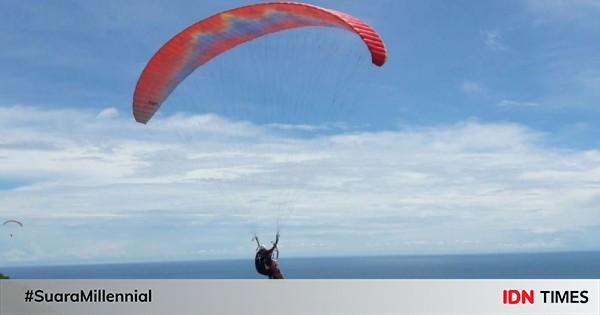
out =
column 196, row 187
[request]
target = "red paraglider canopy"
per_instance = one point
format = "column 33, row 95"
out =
column 208, row 38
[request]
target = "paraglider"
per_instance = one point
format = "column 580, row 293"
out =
column 11, row 222
column 265, row 260
column 201, row 42
column 208, row 38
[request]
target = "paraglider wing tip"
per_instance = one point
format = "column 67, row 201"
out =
column 139, row 119
column 143, row 110
column 379, row 59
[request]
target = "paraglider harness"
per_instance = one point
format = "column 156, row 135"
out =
column 264, row 257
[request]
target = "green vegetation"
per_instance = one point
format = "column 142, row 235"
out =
column 3, row 277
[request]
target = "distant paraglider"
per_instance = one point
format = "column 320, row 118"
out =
column 9, row 223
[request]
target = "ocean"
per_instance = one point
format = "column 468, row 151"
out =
column 573, row 265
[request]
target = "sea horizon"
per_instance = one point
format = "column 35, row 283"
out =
column 576, row 264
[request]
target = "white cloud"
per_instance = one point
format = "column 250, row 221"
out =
column 199, row 184
column 493, row 39
column 108, row 113
column 309, row 128
column 516, row 104
column 472, row 87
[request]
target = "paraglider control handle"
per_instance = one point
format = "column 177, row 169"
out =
column 255, row 238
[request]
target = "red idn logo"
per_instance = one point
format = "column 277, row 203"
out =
column 516, row 296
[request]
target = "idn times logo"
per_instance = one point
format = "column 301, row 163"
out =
column 514, row 296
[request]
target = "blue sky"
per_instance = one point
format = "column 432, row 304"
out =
column 480, row 134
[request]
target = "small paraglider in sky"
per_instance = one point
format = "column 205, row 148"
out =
column 11, row 224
